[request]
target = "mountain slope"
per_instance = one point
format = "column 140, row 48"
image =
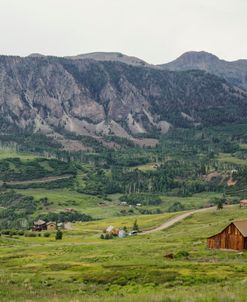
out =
column 99, row 98
column 234, row 72
column 112, row 57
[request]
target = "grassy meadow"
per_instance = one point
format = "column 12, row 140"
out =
column 169, row 265
column 9, row 153
column 63, row 198
column 228, row 158
column 83, row 267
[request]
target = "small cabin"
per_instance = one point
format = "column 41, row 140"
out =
column 243, row 203
column 51, row 226
column 122, row 234
column 60, row 225
column 39, row 225
column 233, row 237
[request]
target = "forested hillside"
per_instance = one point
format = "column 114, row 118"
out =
column 189, row 168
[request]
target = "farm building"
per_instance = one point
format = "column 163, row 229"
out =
column 243, row 203
column 39, row 225
column 233, row 237
column 51, row 226
column 60, row 225
column 122, row 234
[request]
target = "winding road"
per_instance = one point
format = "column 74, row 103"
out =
column 39, row 180
column 175, row 219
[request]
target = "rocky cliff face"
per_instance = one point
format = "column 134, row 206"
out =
column 234, row 72
column 98, row 97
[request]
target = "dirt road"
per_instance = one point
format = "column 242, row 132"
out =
column 40, row 180
column 174, row 220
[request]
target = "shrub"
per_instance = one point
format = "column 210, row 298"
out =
column 59, row 235
column 135, row 226
column 176, row 207
column 5, row 232
column 182, row 254
column 30, row 234
column 47, row 234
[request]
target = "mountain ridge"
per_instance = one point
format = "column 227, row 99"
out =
column 105, row 98
column 235, row 72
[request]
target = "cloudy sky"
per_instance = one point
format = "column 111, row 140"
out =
column 155, row 30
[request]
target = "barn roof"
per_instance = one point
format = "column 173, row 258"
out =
column 39, row 222
column 51, row 222
column 241, row 226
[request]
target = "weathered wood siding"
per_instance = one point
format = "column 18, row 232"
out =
column 229, row 238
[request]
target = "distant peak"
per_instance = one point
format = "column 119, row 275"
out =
column 110, row 56
column 198, row 56
column 36, row 55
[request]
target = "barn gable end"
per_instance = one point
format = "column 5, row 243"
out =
column 233, row 237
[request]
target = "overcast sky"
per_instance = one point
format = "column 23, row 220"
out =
column 157, row 31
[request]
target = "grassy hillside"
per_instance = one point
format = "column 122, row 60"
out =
column 83, row 267
column 189, row 169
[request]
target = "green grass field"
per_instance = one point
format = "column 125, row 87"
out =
column 243, row 146
column 13, row 154
column 88, row 204
column 146, row 167
column 83, row 267
column 224, row 157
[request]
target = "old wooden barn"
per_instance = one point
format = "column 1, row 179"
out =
column 233, row 237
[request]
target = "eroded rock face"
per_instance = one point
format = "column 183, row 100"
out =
column 98, row 97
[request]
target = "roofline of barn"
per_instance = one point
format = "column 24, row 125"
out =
column 245, row 236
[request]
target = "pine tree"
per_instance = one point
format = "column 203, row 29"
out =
column 135, row 226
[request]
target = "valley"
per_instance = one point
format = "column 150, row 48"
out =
column 189, row 169
column 82, row 264
column 113, row 174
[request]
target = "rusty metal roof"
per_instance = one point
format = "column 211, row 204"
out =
column 241, row 226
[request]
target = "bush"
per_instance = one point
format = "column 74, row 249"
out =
column 102, row 236
column 30, row 234
column 182, row 254
column 5, row 232
column 65, row 217
column 12, row 232
column 47, row 234
column 144, row 199
column 59, row 235
column 176, row 207
column 135, row 226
